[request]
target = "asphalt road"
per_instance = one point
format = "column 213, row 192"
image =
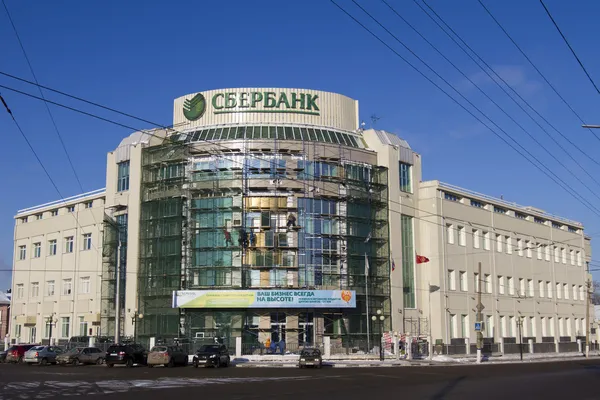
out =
column 572, row 380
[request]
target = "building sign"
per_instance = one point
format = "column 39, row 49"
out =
column 264, row 299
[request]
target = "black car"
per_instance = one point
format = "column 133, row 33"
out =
column 127, row 354
column 212, row 355
column 310, row 358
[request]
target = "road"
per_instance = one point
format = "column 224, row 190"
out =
column 577, row 380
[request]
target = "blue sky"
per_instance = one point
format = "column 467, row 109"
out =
column 138, row 56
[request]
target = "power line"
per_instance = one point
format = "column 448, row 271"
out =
column 62, row 143
column 570, row 190
column 535, row 67
column 570, row 47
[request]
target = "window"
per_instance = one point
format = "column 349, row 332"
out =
column 24, row 220
column 538, row 220
column 486, row 240
column 462, row 236
column 69, row 244
column 37, row 250
column 463, row 281
column 520, row 247
column 464, row 326
column 499, row 210
column 450, row 233
column 87, row 241
column 451, row 279
column 539, row 251
column 84, row 285
column 499, row 243
column 83, row 327
column 22, row 252
column 488, row 283
column 451, row 197
column 520, row 215
column 547, row 252
column 52, row 247
column 71, row 209
column 476, row 282
column 528, row 248
column 67, row 287
column 478, row 204
column 89, row 204
column 572, row 230
column 530, row 287
column 35, row 289
column 511, row 285
column 572, row 257
column 50, row 288
column 408, row 261
column 557, row 226
column 38, row 216
column 508, row 245
column 561, row 326
column 568, row 323
column 476, row 238
column 65, row 325
column 556, row 254
column 405, row 177
column 579, row 259
column 558, row 291
column 501, row 284
column 541, row 288
column 566, row 290
column 17, row 331
column 123, row 176
column 581, row 293
column 533, row 330
column 521, row 287
column 489, row 326
column 511, row 327
column 54, row 213
column 549, row 289
column 452, row 326
column 563, row 253
column 504, row 331
column 574, row 292
column 20, row 291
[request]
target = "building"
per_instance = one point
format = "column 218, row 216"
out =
column 4, row 315
column 270, row 215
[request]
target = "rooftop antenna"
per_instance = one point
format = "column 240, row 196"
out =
column 362, row 125
column 374, row 119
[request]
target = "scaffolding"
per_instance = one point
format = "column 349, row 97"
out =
column 264, row 210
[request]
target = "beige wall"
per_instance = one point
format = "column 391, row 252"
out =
column 30, row 310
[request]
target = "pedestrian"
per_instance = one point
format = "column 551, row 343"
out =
column 268, row 345
column 227, row 237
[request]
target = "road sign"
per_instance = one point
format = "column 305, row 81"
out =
column 478, row 326
column 480, row 307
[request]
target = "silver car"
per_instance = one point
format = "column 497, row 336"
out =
column 42, row 355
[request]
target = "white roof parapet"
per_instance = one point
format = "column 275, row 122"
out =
column 65, row 201
column 525, row 209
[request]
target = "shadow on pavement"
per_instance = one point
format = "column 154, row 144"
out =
column 448, row 388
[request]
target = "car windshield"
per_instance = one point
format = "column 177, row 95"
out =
column 114, row 349
column 37, row 348
column 12, row 348
column 209, row 349
column 310, row 353
column 160, row 349
column 75, row 350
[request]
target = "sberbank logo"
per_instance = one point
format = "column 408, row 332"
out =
column 195, row 107
column 265, row 102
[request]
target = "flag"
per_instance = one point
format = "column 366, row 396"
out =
column 393, row 262
column 366, row 265
column 422, row 259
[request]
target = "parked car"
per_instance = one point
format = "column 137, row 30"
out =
column 42, row 355
column 310, row 357
column 169, row 356
column 2, row 356
column 127, row 354
column 82, row 355
column 215, row 355
column 15, row 353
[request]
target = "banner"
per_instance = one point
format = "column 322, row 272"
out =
column 264, row 299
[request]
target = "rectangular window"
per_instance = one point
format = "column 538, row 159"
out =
column 408, row 261
column 501, row 284
column 556, row 254
column 574, row 292
column 451, row 197
column 544, row 327
column 123, row 176
column 563, row 253
column 520, row 215
column 65, row 327
column 486, row 240
column 557, row 226
column 35, row 289
column 541, row 288
column 67, row 287
column 54, row 213
column 538, row 247
column 89, row 204
column 521, row 287
column 463, row 281
column 579, row 259
column 452, row 326
column 71, row 209
column 499, row 243
column 566, row 290
column 83, row 327
column 520, row 247
column 450, row 233
column 38, row 216
column 551, row 323
column 50, row 288
column 511, row 327
column 499, row 210
column 476, row 282
column 20, row 291
column 87, row 241
column 462, row 236
column 406, row 177
column 558, row 291
column 69, row 244
column 489, row 326
column 52, row 247
column 451, row 280
column 568, row 323
column 547, row 252
column 581, row 293
column 84, row 285
column 549, row 289
column 478, row 204
column 464, row 326
column 530, row 287
column 533, row 328
column 476, row 238
column 503, row 327
column 572, row 257
column 511, row 285
column 488, row 283
column 37, row 250
column 22, row 252
column 528, row 248
column 508, row 245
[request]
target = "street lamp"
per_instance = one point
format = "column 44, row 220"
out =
column 51, row 320
column 381, row 318
column 134, row 320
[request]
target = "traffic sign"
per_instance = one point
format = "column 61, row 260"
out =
column 478, row 326
column 480, row 307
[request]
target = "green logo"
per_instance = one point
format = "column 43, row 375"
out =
column 194, row 108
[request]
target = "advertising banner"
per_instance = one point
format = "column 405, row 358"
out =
column 264, row 299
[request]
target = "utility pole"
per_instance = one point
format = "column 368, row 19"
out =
column 479, row 316
column 118, row 290
column 520, row 326
column 587, row 318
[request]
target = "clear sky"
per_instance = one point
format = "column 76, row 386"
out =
column 137, row 56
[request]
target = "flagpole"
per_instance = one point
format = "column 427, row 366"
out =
column 367, row 298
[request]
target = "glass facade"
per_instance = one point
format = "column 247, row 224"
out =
column 408, row 261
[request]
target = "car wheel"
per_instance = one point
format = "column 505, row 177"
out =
column 110, row 365
column 195, row 363
column 171, row 363
column 150, row 365
column 129, row 363
column 228, row 362
column 75, row 362
column 218, row 363
column 20, row 360
column 100, row 361
column 44, row 361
